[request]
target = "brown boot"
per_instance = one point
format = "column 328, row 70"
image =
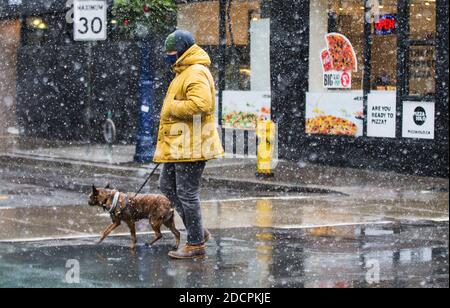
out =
column 189, row 252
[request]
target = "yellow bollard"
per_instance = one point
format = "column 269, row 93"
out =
column 266, row 133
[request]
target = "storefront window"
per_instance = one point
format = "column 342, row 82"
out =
column 422, row 55
column 423, row 19
column 247, row 71
column 44, row 29
column 347, row 18
column 384, row 48
column 334, row 103
column 202, row 20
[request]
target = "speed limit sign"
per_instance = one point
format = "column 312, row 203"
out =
column 90, row 21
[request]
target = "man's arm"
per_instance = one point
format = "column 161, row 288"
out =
column 199, row 98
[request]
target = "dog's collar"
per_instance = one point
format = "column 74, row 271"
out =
column 114, row 203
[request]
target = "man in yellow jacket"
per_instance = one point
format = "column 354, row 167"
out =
column 188, row 136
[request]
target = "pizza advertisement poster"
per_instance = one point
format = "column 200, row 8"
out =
column 335, row 114
column 243, row 109
column 338, row 62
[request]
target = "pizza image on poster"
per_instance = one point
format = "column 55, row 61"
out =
column 327, row 63
column 338, row 62
column 336, row 113
column 342, row 53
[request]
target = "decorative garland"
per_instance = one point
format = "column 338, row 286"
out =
column 141, row 17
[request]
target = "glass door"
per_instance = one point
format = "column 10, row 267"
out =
column 417, row 68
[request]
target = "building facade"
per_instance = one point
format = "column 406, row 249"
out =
column 65, row 90
column 397, row 102
column 359, row 83
column 349, row 82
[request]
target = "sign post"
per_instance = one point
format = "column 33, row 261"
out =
column 89, row 25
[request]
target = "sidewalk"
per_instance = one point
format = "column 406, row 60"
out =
column 300, row 196
column 238, row 173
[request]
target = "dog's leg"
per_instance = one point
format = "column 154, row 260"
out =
column 156, row 226
column 132, row 227
column 171, row 225
column 108, row 231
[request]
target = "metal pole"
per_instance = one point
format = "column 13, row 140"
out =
column 367, row 63
column 89, row 93
column 402, row 54
column 145, row 147
column 222, row 54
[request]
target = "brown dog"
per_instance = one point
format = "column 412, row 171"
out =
column 126, row 208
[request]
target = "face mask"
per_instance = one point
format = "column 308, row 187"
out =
column 171, row 59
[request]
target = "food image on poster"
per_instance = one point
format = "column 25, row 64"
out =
column 335, row 114
column 342, row 53
column 338, row 62
column 331, row 125
column 243, row 109
column 326, row 61
column 238, row 119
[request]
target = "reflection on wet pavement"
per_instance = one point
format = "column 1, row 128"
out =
column 289, row 212
column 407, row 255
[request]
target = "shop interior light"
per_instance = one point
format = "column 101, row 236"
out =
column 245, row 71
column 255, row 15
column 42, row 26
column 36, row 22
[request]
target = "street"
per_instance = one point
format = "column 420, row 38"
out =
column 296, row 143
column 260, row 239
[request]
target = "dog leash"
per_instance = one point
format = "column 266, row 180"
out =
column 148, row 179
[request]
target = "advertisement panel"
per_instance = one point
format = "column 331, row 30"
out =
column 335, row 114
column 418, row 120
column 243, row 109
column 381, row 114
column 338, row 62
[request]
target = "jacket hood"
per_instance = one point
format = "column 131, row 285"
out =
column 194, row 55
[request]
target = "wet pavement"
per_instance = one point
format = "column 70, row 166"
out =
column 370, row 225
column 404, row 255
column 280, row 212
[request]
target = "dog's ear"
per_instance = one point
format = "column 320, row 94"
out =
column 94, row 190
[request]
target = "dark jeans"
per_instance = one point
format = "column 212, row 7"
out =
column 180, row 182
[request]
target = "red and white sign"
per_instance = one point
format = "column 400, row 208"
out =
column 337, row 80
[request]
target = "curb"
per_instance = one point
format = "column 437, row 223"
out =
column 255, row 185
column 137, row 172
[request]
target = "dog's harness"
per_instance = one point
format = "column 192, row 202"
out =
column 115, row 204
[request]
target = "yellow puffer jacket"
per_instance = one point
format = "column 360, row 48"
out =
column 188, row 130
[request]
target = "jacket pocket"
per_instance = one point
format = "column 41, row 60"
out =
column 174, row 129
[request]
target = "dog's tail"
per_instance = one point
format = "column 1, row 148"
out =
column 169, row 216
